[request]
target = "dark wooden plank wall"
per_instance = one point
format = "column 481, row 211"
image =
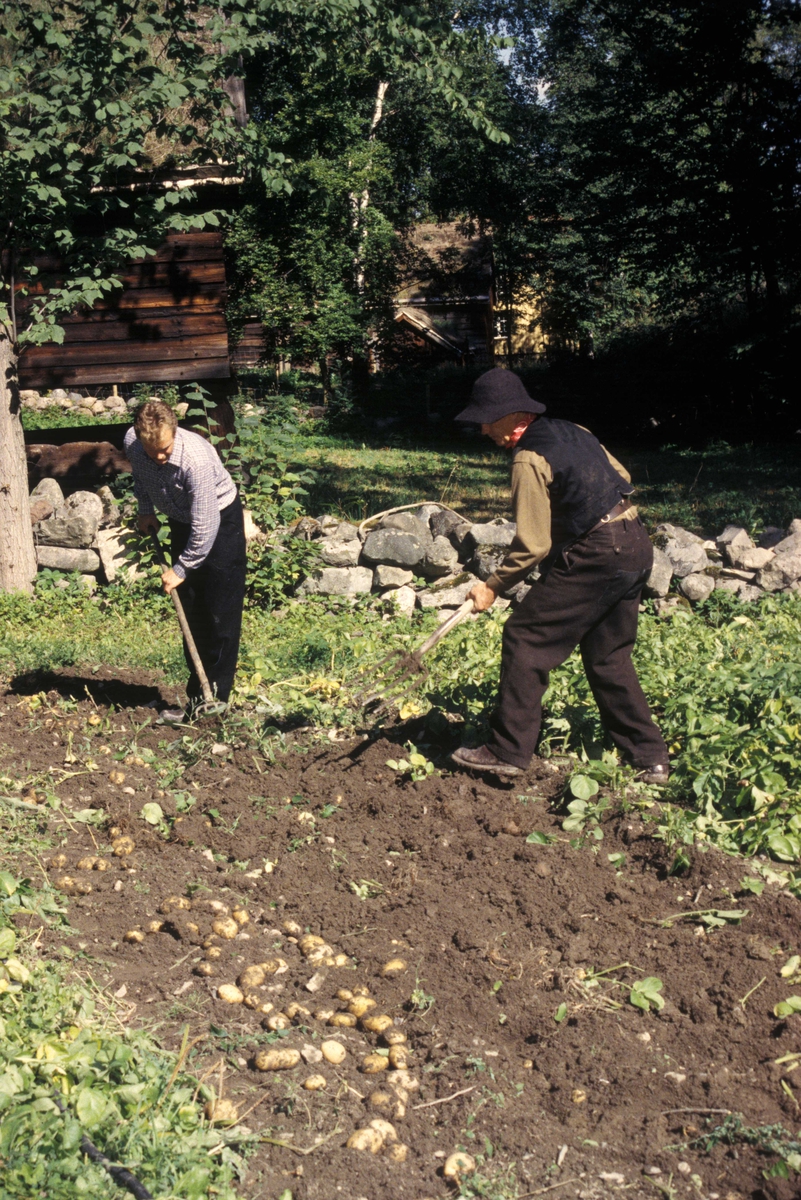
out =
column 249, row 350
column 167, row 323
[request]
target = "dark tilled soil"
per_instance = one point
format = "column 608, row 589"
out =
column 495, row 933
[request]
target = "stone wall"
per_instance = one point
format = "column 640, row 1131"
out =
column 76, row 403
column 82, row 532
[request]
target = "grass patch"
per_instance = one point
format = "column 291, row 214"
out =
column 56, row 417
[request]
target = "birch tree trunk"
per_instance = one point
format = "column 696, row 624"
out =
column 359, row 201
column 17, row 553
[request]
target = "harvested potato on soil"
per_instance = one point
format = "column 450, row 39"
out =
column 274, row 966
column 297, row 1012
column 458, row 1164
column 123, row 846
column 86, row 864
column 397, row 1152
column 361, row 1005
column 116, row 777
column 398, row 1057
column 230, row 993
column 578, row 1096
column 276, row 1021
column 221, row 1112
column 377, row 1024
column 292, row 927
column 58, row 862
column 277, row 1060
column 315, row 1083
column 225, row 927
column 172, row 902
column 372, row 1064
column 102, row 864
column 380, row 1100
column 323, row 1014
column 344, row 994
column 369, row 1140
column 395, row 966
column 257, row 1003
column 341, row 960
column 134, row 935
column 403, row 1079
column 393, row 1037
column 83, row 887
column 241, row 916
column 333, row 1052
column 342, row 1020
column 361, row 989
column 251, row 977
column 205, row 969
column 383, row 1127
column 309, row 942
column 155, row 926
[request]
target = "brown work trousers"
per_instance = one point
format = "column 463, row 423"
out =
column 589, row 597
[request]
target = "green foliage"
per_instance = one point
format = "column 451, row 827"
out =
column 645, row 994
column 416, row 766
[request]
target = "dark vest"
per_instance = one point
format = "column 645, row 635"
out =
column 585, row 485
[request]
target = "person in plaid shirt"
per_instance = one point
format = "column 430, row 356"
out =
column 180, row 474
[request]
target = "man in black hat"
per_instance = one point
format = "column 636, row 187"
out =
column 572, row 506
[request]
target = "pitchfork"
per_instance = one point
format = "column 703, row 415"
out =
column 400, row 667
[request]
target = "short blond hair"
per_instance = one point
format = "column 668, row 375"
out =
column 151, row 418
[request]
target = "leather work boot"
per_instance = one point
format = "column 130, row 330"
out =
column 483, row 759
column 658, row 774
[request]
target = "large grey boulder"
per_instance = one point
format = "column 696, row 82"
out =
column 498, row 533
column 112, row 546
column 60, row 558
column 728, row 585
column 85, row 504
column 445, row 597
column 485, row 562
column 391, row 577
column 658, row 582
column 772, row 579
column 426, row 511
column 395, row 548
column 794, row 527
column 697, row 587
column 450, row 525
column 440, row 560
column 748, row 593
column 406, row 522
column 337, row 553
column 675, row 533
column 337, row 581
column 686, row 558
column 49, row 489
column 751, row 560
column 111, row 510
column 72, row 532
column 770, row 536
column 788, row 556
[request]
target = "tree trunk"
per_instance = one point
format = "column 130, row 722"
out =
column 17, row 553
column 359, row 203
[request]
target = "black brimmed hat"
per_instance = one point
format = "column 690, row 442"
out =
column 495, row 394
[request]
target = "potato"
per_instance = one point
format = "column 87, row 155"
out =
column 212, row 953
column 58, row 862
column 102, row 864
column 215, row 906
column 225, row 927
column 333, row 1052
column 297, row 1012
column 115, row 831
column 86, row 864
column 241, row 916
column 365, row 1139
column 315, row 1083
column 398, row 1057
column 458, row 1164
column 380, row 1100
column 277, row 1060
column 254, row 1000
column 377, row 1024
column 395, row 966
column 274, row 966
column 172, row 902
column 310, row 942
column 230, row 993
column 397, row 1152
column 361, row 1005
column 94, row 719
column 123, row 846
column 251, row 977
column 342, row 1020
column 341, row 960
column 323, row 1014
column 192, row 928
column 277, row 1021
column 221, row 1112
column 361, row 989
column 155, row 926
column 372, row 1064
column 578, row 1096
column 292, row 927
column 116, row 777
column 66, row 883
column 393, row 1037
column 403, row 1079
column 205, row 969
column 83, row 887
column 134, row 935
column 383, row 1127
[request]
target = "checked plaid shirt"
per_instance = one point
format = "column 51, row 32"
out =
column 192, row 487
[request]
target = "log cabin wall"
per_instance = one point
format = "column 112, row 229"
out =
column 167, row 323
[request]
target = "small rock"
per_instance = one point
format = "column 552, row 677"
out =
column 747, row 593
column 391, row 577
column 697, row 587
column 60, row 558
column 440, row 560
column 658, row 582
column 499, row 534
column 426, row 511
column 403, row 597
column 676, row 1076
column 337, row 553
column 686, row 558
column 111, row 510
column 485, row 561
column 675, row 533
column 683, row 1168
column 612, row 1177
column 337, row 581
column 220, row 748
column 445, row 597
column 751, row 560
column 49, row 489
column 772, row 579
column 450, row 525
column 311, row 1055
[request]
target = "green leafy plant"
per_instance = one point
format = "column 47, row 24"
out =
column 645, row 994
column 786, row 1008
column 416, row 766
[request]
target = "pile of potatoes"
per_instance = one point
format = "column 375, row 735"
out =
column 210, row 920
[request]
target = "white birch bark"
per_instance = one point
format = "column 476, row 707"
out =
column 17, row 553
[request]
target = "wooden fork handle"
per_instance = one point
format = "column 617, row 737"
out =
column 447, row 625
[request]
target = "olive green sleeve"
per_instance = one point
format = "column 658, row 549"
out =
column 531, row 506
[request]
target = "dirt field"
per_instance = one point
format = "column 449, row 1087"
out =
column 519, row 1052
